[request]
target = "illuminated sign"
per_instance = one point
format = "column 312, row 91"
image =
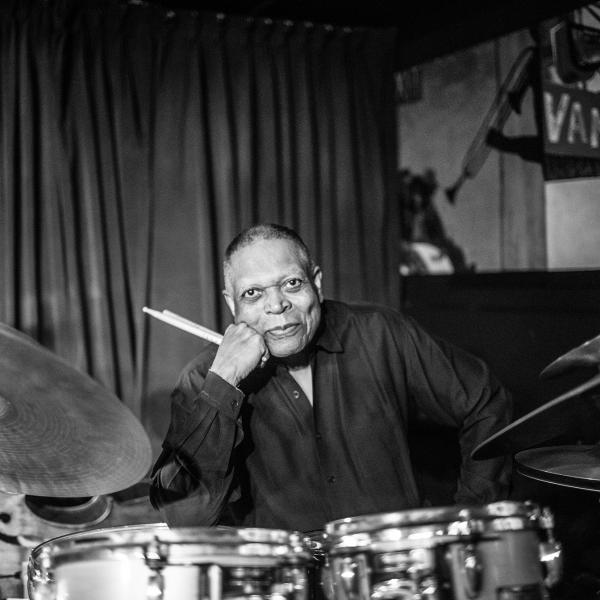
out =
column 571, row 121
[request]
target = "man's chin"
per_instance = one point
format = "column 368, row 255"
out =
column 285, row 348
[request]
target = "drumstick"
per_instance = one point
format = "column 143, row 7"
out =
column 209, row 332
column 185, row 324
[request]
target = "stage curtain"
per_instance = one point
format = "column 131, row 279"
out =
column 136, row 141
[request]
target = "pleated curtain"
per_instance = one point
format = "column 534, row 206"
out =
column 136, row 141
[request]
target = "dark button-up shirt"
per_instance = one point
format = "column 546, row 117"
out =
column 281, row 463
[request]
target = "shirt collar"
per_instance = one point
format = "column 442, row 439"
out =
column 327, row 335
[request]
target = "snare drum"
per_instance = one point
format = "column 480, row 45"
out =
column 142, row 562
column 489, row 552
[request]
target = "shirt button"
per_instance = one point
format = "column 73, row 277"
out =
column 331, row 479
column 318, row 437
column 296, row 394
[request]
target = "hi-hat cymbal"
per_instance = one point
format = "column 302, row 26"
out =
column 559, row 417
column 61, row 433
column 586, row 355
column 576, row 466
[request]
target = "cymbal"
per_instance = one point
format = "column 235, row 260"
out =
column 586, row 355
column 61, row 433
column 576, row 466
column 560, row 416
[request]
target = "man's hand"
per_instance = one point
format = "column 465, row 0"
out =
column 240, row 352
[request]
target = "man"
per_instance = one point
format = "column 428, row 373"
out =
column 301, row 415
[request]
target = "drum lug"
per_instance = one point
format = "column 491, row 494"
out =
column 350, row 577
column 40, row 585
column 323, row 578
column 471, row 568
column 293, row 584
column 215, row 582
column 551, row 555
column 155, row 587
column 552, row 559
column 155, row 560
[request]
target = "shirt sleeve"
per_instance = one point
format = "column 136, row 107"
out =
column 193, row 476
column 454, row 388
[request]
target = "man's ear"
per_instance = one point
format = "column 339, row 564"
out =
column 229, row 301
column 317, row 280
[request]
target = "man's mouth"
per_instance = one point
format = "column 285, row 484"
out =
column 284, row 331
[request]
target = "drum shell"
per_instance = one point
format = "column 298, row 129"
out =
column 510, row 566
column 452, row 553
column 152, row 561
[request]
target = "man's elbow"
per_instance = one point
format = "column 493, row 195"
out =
column 178, row 510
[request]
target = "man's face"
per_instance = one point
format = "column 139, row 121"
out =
column 269, row 289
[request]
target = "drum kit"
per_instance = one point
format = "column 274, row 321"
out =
column 63, row 435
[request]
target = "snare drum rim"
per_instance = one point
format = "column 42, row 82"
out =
column 89, row 534
column 206, row 541
column 497, row 516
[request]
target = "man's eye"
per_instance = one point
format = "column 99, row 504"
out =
column 251, row 294
column 295, row 283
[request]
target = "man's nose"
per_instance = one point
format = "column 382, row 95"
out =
column 276, row 301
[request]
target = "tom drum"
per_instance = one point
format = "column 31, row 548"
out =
column 142, row 562
column 498, row 551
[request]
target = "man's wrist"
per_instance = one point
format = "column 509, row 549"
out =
column 227, row 374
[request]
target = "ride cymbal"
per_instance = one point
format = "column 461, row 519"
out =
column 61, row 433
column 559, row 417
column 586, row 355
column 575, row 466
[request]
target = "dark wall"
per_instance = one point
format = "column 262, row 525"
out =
column 518, row 323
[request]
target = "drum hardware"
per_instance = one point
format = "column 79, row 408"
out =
column 471, row 570
column 215, row 581
column 74, row 513
column 40, row 573
column 294, row 581
column 348, row 575
column 320, row 584
column 61, row 433
column 408, row 574
column 551, row 555
column 460, row 553
column 154, row 559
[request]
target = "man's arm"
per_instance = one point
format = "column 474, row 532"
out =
column 455, row 388
column 192, row 477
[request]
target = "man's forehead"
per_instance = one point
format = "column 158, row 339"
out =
column 265, row 259
column 267, row 253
